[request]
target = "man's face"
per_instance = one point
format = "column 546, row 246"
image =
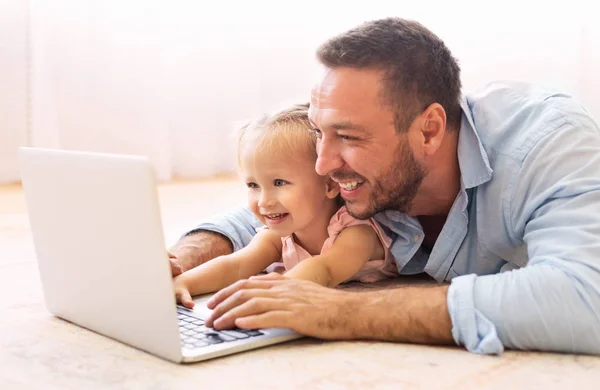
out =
column 358, row 145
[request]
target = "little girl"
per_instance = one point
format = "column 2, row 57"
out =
column 306, row 231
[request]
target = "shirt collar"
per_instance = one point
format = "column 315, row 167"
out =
column 472, row 158
column 473, row 161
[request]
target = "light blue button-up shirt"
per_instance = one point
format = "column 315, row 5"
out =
column 521, row 244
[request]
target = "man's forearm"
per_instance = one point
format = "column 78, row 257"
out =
column 199, row 247
column 408, row 314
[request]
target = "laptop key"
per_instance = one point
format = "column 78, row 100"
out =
column 200, row 344
column 233, row 333
column 213, row 340
column 226, row 337
column 219, row 335
column 250, row 332
column 188, row 326
column 188, row 313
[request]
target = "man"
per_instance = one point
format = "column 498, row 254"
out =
column 496, row 195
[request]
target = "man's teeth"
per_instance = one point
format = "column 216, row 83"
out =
column 350, row 186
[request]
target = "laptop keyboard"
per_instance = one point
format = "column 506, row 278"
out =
column 194, row 334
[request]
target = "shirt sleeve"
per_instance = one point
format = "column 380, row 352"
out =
column 238, row 225
column 553, row 303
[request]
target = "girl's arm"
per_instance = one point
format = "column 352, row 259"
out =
column 354, row 246
column 263, row 250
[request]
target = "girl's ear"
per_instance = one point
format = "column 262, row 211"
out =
column 332, row 189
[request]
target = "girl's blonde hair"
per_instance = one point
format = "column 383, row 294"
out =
column 287, row 132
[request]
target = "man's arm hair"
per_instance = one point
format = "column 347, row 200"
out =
column 199, row 246
column 217, row 235
column 416, row 314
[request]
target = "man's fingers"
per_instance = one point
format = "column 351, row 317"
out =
column 253, row 306
column 175, row 267
column 270, row 319
column 244, row 284
column 226, row 307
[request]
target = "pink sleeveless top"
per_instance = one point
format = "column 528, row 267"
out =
column 372, row 271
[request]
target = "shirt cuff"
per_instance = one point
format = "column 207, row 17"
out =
column 469, row 327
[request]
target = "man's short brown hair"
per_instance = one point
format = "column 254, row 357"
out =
column 418, row 68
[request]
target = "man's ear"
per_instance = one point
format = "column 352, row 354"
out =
column 433, row 128
column 332, row 189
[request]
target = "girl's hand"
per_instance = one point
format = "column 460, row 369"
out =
column 182, row 293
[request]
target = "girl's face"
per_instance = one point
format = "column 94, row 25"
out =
column 285, row 192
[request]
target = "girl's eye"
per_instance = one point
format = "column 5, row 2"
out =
column 252, row 185
column 317, row 133
column 279, row 182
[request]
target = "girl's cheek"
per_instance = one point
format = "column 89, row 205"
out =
column 252, row 200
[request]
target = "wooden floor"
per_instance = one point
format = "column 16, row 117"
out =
column 39, row 351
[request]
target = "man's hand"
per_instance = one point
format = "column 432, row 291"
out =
column 175, row 266
column 417, row 314
column 276, row 301
column 196, row 249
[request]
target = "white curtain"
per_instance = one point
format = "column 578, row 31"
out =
column 14, row 86
column 172, row 79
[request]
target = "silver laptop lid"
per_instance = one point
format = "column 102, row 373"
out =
column 98, row 236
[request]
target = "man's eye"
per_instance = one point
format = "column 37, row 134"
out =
column 279, row 182
column 252, row 185
column 347, row 137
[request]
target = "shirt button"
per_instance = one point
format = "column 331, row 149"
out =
column 415, row 238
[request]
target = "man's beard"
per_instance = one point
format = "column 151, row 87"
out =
column 396, row 188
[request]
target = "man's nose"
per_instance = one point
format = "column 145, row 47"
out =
column 328, row 158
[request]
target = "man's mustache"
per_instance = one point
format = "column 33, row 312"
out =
column 346, row 176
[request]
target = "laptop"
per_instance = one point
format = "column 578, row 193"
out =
column 102, row 258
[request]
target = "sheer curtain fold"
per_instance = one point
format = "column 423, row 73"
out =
column 172, row 80
column 14, row 86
